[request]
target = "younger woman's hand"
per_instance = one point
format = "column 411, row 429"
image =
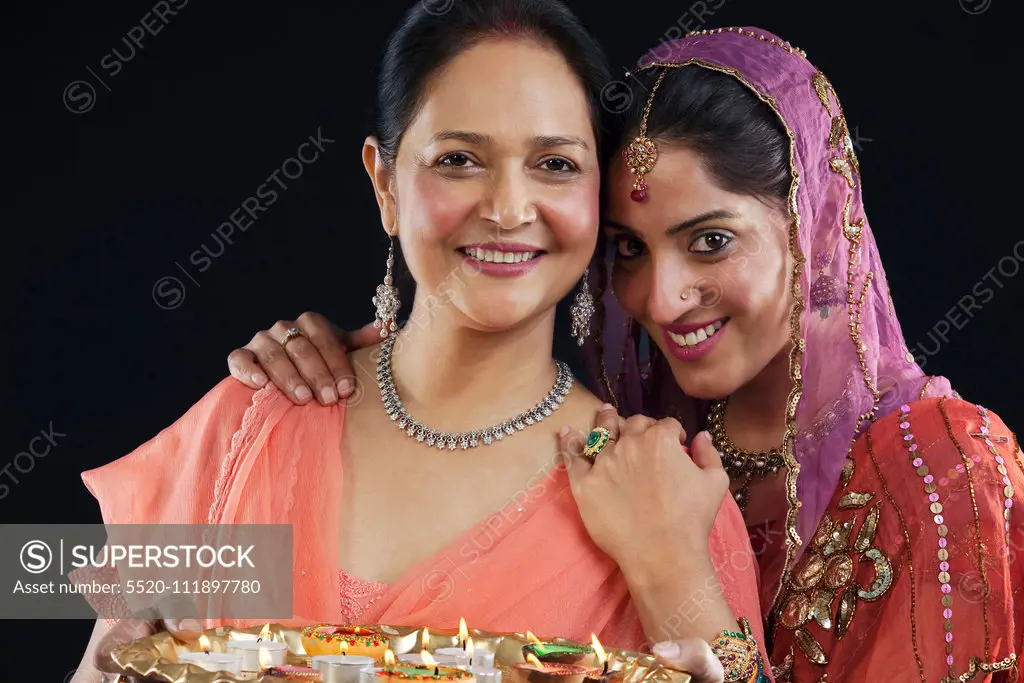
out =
column 692, row 655
column 645, row 500
column 313, row 364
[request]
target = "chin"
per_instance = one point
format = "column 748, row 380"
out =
column 705, row 383
column 498, row 314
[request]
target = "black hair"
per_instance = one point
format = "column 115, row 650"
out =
column 434, row 32
column 739, row 137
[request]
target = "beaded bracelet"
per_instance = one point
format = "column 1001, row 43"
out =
column 738, row 653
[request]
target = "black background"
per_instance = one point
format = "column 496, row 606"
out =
column 109, row 201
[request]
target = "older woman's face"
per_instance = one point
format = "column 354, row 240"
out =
column 704, row 270
column 496, row 184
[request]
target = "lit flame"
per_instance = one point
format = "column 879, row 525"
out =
column 266, row 659
column 533, row 639
column 428, row 661
column 265, row 631
column 389, row 658
column 426, row 638
column 532, row 659
column 469, row 647
column 343, row 646
column 204, row 643
column 602, row 656
column 463, row 631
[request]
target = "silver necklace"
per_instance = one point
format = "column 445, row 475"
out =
column 432, row 437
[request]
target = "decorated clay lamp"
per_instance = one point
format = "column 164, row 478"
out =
column 535, row 671
column 557, row 653
column 293, row 673
column 212, row 661
column 404, row 672
column 349, row 640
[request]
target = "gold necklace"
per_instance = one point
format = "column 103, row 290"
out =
column 750, row 465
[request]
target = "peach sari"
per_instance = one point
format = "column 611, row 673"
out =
column 244, row 457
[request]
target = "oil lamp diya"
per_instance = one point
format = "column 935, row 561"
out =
column 535, row 671
column 559, row 653
column 348, row 640
column 404, row 672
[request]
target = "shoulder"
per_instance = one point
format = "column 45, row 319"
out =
column 948, row 463
column 942, row 433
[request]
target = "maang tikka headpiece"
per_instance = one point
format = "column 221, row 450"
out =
column 641, row 154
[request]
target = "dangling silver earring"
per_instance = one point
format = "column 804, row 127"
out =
column 386, row 301
column 582, row 309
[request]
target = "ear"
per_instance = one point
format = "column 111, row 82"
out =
column 382, row 180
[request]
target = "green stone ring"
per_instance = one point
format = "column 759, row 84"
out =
column 596, row 441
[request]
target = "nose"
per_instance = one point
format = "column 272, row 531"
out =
column 510, row 203
column 674, row 292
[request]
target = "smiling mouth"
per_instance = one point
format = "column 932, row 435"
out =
column 498, row 256
column 697, row 336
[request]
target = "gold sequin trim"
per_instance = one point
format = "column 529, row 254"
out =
column 910, row 557
column 822, row 87
column 843, row 168
column 784, row 45
column 1016, row 452
column 854, row 500
column 978, row 665
column 968, row 465
column 848, row 467
column 925, row 387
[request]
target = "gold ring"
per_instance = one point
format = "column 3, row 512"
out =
column 292, row 333
column 596, row 441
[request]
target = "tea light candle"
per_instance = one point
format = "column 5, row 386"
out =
column 213, row 661
column 453, row 656
column 486, row 674
column 258, row 654
column 341, row 668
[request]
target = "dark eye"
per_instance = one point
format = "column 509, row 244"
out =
column 455, row 160
column 559, row 165
column 710, row 242
column 627, row 247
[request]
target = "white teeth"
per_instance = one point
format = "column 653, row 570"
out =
column 693, row 338
column 493, row 256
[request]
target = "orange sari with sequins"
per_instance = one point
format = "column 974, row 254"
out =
column 244, row 457
column 913, row 573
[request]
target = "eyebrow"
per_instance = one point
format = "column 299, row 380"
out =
column 679, row 227
column 543, row 141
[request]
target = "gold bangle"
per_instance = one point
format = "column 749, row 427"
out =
column 738, row 653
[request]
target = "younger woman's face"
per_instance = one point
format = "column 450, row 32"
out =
column 704, row 270
column 494, row 195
